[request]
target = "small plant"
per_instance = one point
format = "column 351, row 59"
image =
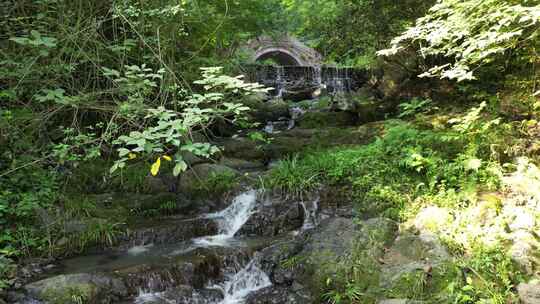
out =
column 415, row 106
column 350, row 294
column 169, row 131
column 217, row 184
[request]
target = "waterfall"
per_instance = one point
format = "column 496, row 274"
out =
column 280, row 82
column 230, row 220
column 310, row 215
column 152, row 297
column 246, row 281
column 317, row 76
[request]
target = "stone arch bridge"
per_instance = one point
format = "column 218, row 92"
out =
column 286, row 51
column 296, row 68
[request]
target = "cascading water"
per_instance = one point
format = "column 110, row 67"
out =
column 280, row 82
column 310, row 215
column 230, row 220
column 240, row 284
column 246, row 281
column 317, row 76
column 152, row 297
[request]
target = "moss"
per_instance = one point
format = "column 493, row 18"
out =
column 209, row 181
column 216, row 184
column 315, row 120
column 76, row 294
column 424, row 284
column 93, row 177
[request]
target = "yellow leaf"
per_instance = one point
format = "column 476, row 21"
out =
column 155, row 167
column 132, row 155
column 167, row 157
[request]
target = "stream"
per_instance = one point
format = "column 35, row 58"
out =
column 240, row 271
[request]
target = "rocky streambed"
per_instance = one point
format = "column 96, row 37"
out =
column 259, row 249
column 254, row 248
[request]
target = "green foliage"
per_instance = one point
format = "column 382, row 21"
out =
column 415, row 106
column 25, row 196
column 403, row 164
column 471, row 33
column 489, row 277
column 350, row 32
column 216, row 184
column 169, row 132
column 7, row 268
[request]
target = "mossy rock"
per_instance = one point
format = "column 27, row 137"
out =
column 416, row 267
column 263, row 110
column 78, row 288
column 418, row 281
column 315, row 120
column 242, row 148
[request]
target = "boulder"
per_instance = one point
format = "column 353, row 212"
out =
column 166, row 232
column 415, row 262
column 242, row 148
column 375, row 235
column 263, row 110
column 279, row 263
column 89, row 288
column 272, row 295
column 529, row 293
column 274, row 216
column 524, row 250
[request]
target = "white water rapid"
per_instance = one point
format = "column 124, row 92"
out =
column 246, row 281
column 239, row 285
column 230, row 220
column 310, row 215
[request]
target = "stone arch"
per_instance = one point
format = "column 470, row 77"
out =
column 282, row 56
column 285, row 50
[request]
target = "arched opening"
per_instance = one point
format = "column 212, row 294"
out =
column 277, row 57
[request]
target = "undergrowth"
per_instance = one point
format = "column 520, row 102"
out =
column 408, row 168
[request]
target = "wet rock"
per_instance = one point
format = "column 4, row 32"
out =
column 205, row 265
column 168, row 231
column 272, row 295
column 75, row 226
column 529, row 293
column 207, row 296
column 274, row 216
column 178, row 294
column 92, row 288
column 278, row 263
